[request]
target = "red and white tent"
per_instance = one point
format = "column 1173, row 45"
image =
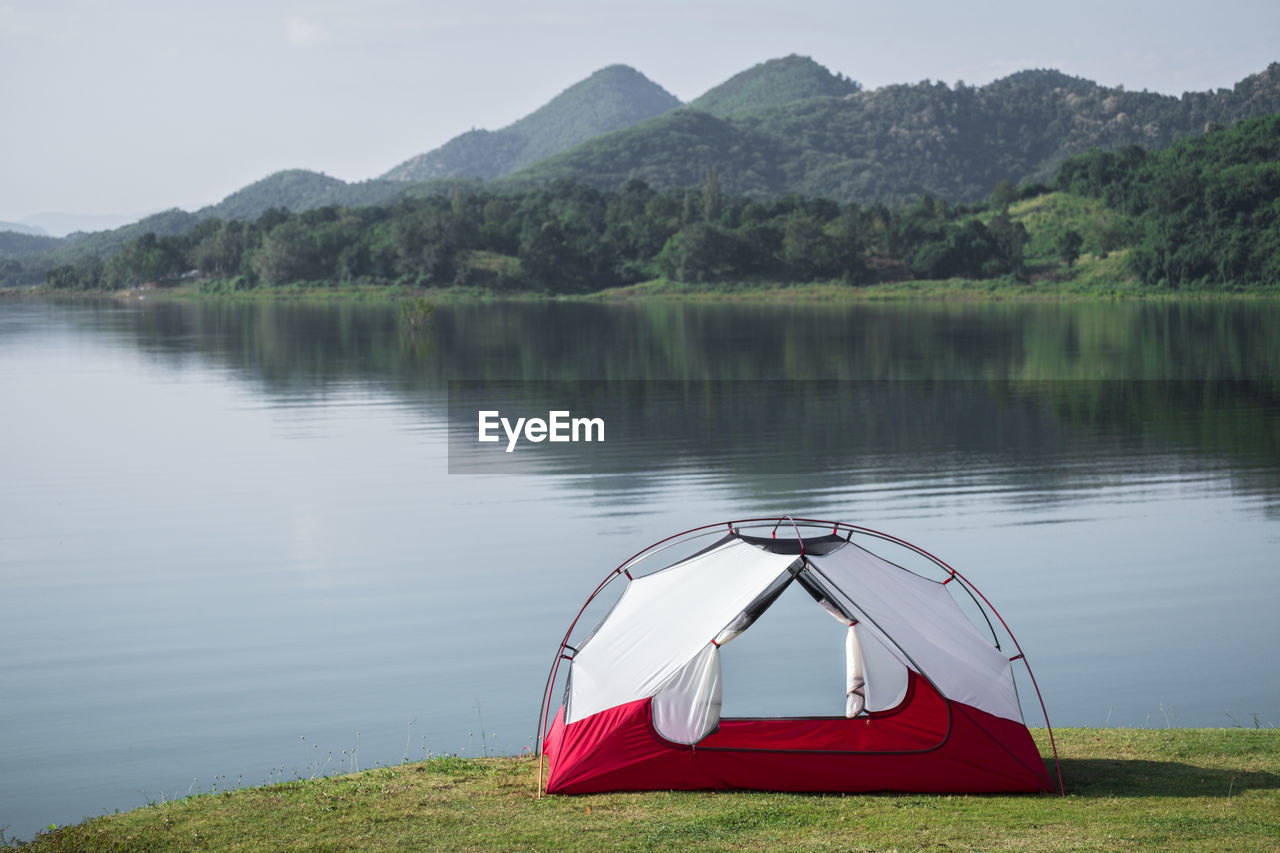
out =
column 931, row 703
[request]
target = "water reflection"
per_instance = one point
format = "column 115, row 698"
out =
column 1202, row 377
column 289, row 343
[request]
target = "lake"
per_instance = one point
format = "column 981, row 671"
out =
column 241, row 543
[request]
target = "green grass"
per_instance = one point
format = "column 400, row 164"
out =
column 1092, row 284
column 1171, row 789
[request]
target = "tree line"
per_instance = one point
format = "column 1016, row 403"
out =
column 568, row 237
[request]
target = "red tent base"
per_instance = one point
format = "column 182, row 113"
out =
column 928, row 745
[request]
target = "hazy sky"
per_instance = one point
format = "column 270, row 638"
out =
column 134, row 106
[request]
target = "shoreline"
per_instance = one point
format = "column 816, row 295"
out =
column 916, row 291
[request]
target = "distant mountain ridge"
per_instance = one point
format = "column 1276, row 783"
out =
column 902, row 141
column 60, row 224
column 611, row 98
column 783, row 126
column 20, row 228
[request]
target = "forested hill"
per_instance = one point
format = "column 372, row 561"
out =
column 298, row 189
column 784, row 127
column 1202, row 214
column 292, row 189
column 772, row 84
column 1208, row 208
column 613, row 97
column 900, row 142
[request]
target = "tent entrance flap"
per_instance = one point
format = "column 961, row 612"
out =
column 855, row 681
column 687, row 708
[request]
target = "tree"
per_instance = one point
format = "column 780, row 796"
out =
column 848, row 245
column 1069, row 244
column 805, row 247
column 425, row 245
column 1004, row 194
column 688, row 214
column 712, row 202
column 147, row 259
column 1010, row 239
column 287, row 254
column 701, row 252
column 500, row 227
column 220, row 252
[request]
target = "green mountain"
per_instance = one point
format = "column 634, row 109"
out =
column 672, row 150
column 773, row 84
column 16, row 244
column 298, row 190
column 295, row 189
column 612, row 98
column 1203, row 213
column 25, row 259
column 104, row 244
column 898, row 142
column 787, row 126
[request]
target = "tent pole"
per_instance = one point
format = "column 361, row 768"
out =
column 1062, row 790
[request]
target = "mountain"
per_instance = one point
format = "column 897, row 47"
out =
column 295, row 189
column 298, row 189
column 772, row 84
column 613, row 97
column 61, row 224
column 104, row 244
column 19, row 228
column 672, row 150
column 897, row 142
column 16, row 244
column 784, row 126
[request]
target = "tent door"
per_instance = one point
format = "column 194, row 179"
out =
column 687, row 707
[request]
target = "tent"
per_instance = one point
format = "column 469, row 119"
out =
column 930, row 701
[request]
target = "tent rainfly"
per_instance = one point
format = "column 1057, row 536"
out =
column 930, row 700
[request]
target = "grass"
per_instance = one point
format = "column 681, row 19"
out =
column 920, row 290
column 1183, row 789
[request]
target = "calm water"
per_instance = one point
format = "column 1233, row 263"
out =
column 232, row 548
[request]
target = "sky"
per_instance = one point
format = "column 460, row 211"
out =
column 133, row 106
